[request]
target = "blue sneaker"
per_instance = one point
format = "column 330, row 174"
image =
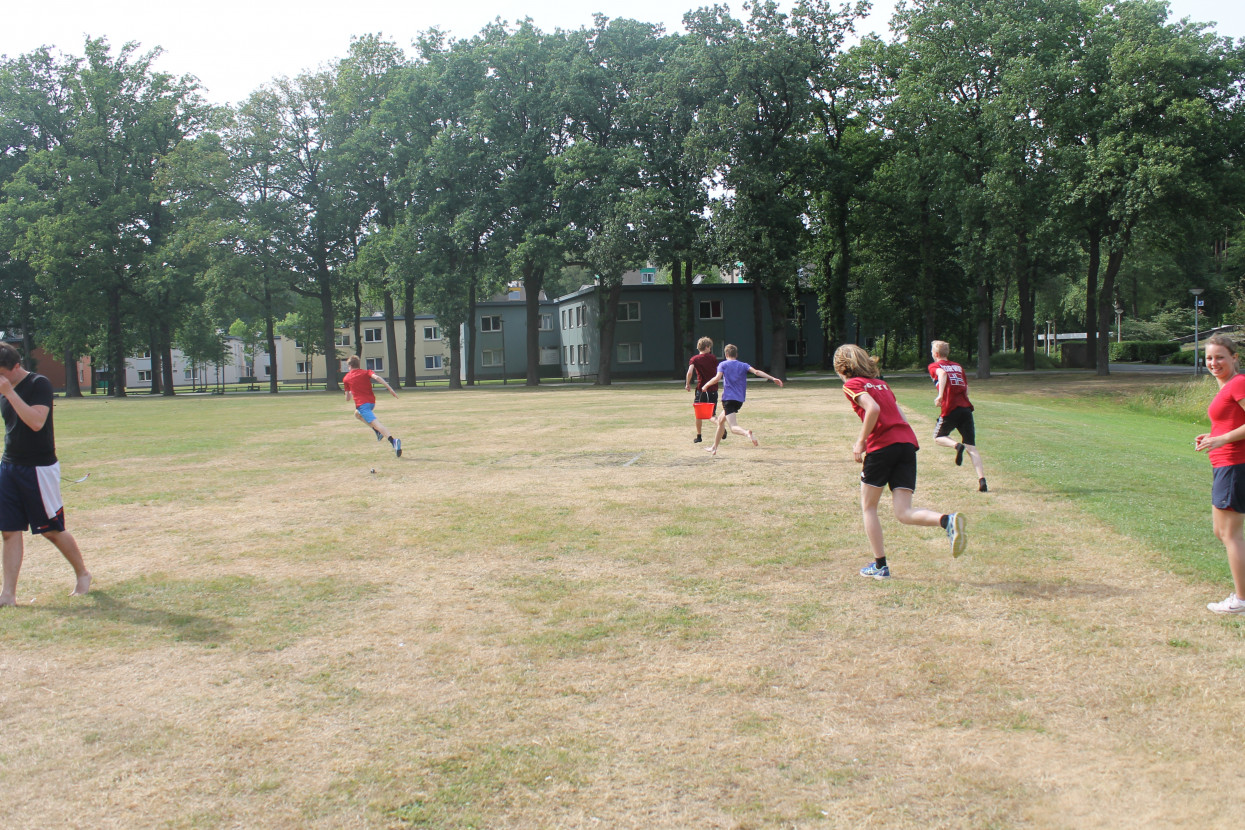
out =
column 397, row 447
column 874, row 571
column 956, row 534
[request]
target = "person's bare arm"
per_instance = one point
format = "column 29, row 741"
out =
column 32, row 416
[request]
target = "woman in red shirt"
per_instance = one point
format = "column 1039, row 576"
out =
column 1225, row 444
column 887, row 448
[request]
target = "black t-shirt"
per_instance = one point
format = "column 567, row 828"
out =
column 22, row 445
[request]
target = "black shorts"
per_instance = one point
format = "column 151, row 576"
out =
column 960, row 418
column 731, row 407
column 31, row 497
column 894, row 465
column 707, row 397
column 1228, row 490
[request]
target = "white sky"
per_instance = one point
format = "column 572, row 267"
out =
column 233, row 46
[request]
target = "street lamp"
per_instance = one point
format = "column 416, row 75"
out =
column 1119, row 312
column 1197, row 304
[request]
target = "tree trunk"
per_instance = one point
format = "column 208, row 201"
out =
column 153, row 349
column 116, row 345
column 676, row 313
column 166, row 360
column 778, row 333
column 533, row 281
column 270, row 336
column 391, row 346
column 358, row 324
column 332, row 371
column 758, row 326
column 1106, row 311
column 456, row 360
column 1024, row 293
column 609, row 320
column 689, row 313
column 73, row 386
column 408, row 315
column 1094, row 249
column 471, row 336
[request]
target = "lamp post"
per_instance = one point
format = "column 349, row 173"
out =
column 1197, row 303
column 1119, row 312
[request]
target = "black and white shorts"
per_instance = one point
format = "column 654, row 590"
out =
column 894, row 465
column 960, row 418
column 30, row 497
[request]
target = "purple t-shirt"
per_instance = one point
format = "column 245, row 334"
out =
column 734, row 379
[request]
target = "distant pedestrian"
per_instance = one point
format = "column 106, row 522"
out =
column 734, row 376
column 358, row 385
column 1225, row 444
column 30, row 475
column 702, row 366
column 887, row 447
column 956, row 410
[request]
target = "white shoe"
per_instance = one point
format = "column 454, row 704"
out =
column 1231, row 605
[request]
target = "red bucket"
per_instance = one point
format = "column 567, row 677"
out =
column 704, row 411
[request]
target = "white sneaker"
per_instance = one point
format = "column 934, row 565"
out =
column 1231, row 605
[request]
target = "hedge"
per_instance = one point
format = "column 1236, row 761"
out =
column 1142, row 351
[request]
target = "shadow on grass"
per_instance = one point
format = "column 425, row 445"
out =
column 1053, row 590
column 102, row 607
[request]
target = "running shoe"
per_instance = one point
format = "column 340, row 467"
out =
column 959, row 455
column 1232, row 605
column 874, row 571
column 981, row 486
column 955, row 534
column 397, row 447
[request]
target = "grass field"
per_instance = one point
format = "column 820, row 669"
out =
column 556, row 611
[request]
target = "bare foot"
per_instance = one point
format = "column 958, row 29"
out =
column 7, row 601
column 83, row 585
column 753, row 439
column 711, row 450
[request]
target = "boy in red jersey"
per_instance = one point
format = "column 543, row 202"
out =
column 358, row 384
column 1225, row 444
column 957, row 412
column 887, row 447
column 703, row 366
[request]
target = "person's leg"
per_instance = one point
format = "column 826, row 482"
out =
column 1230, row 529
column 718, row 431
column 381, row 429
column 12, row 556
column 869, row 497
column 975, row 457
column 68, row 546
column 909, row 515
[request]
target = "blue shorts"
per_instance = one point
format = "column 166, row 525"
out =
column 365, row 412
column 30, row 497
column 1228, row 491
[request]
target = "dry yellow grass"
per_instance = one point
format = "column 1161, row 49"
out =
column 556, row 611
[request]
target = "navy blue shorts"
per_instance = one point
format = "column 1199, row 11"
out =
column 30, row 497
column 1228, row 491
column 894, row 464
column 960, row 418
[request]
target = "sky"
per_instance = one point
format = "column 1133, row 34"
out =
column 234, row 46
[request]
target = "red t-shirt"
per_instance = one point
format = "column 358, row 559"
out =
column 1226, row 415
column 892, row 427
column 358, row 383
column 706, row 367
column 957, row 385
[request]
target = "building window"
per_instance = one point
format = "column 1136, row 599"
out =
column 548, row 355
column 579, row 350
column 432, row 333
column 648, row 276
column 579, row 316
column 546, row 322
column 629, row 352
column 372, row 336
column 343, row 340
column 191, row 374
column 301, row 367
column 796, row 348
column 564, row 325
column 298, row 344
column 144, row 375
column 432, row 361
column 376, row 364
column 628, row 312
column 492, row 357
column 711, row 309
column 268, row 371
column 490, row 323
column 144, row 355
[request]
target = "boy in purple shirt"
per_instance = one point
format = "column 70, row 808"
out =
column 734, row 376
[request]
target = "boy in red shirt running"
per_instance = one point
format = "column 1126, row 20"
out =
column 887, row 448
column 703, row 367
column 957, row 412
column 358, row 384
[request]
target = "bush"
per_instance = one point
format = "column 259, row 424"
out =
column 1142, row 351
column 1184, row 357
column 1014, row 362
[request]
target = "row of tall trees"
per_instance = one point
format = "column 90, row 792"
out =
column 989, row 162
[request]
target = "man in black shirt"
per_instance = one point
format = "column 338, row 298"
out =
column 30, row 476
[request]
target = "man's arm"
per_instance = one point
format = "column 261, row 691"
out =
column 384, row 383
column 942, row 387
column 687, row 381
column 32, row 416
column 716, row 378
column 754, row 370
